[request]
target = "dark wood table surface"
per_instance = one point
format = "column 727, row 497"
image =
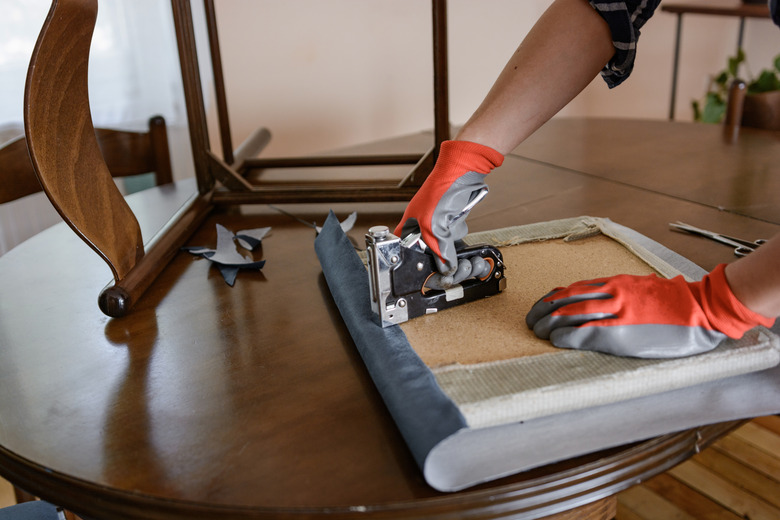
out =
column 252, row 402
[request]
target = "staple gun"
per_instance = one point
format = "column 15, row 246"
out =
column 405, row 283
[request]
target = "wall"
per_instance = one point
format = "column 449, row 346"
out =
column 328, row 74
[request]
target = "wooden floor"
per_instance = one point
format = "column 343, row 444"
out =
column 737, row 477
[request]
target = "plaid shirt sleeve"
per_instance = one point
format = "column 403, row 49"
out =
column 624, row 19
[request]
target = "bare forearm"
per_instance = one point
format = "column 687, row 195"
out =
column 755, row 279
column 564, row 51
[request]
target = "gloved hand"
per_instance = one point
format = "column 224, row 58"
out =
column 457, row 177
column 643, row 316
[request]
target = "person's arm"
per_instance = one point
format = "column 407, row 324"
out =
column 564, row 51
column 755, row 279
column 567, row 47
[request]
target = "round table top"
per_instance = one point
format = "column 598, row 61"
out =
column 251, row 401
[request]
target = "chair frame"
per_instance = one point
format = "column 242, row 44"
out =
column 232, row 169
column 65, row 154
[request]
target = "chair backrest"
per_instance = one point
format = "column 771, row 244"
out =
column 74, row 173
column 126, row 153
column 62, row 142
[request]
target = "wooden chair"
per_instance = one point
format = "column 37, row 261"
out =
column 126, row 154
column 67, row 160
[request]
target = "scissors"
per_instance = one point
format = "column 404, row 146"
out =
column 741, row 247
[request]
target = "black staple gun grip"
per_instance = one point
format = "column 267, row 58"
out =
column 398, row 276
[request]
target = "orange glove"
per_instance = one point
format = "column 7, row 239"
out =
column 644, row 316
column 455, row 180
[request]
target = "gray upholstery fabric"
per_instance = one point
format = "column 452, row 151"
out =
column 423, row 413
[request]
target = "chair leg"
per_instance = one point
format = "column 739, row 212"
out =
column 22, row 495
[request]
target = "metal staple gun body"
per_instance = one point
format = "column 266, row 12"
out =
column 405, row 282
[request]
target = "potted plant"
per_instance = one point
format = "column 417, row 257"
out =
column 762, row 102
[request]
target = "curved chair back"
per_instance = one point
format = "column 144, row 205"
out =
column 61, row 139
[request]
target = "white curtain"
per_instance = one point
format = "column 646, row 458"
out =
column 133, row 69
column 133, row 74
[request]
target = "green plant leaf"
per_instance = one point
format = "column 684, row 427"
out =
column 734, row 61
column 766, row 82
column 714, row 109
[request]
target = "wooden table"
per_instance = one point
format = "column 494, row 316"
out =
column 252, row 402
column 732, row 8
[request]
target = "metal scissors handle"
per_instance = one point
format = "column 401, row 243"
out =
column 741, row 247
